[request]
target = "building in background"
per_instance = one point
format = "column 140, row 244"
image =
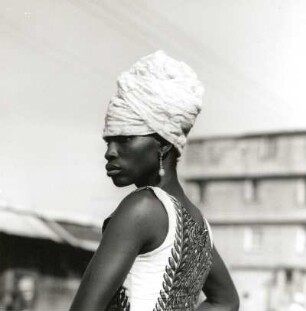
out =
column 41, row 260
column 252, row 189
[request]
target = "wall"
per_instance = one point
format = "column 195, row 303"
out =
column 252, row 155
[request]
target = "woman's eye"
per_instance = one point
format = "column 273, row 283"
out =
column 124, row 139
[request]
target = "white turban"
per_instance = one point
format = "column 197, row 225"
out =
column 157, row 95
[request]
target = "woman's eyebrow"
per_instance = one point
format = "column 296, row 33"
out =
column 111, row 138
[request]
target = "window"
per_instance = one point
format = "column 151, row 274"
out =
column 253, row 239
column 214, row 152
column 300, row 245
column 301, row 191
column 267, row 148
column 250, row 190
column 288, row 275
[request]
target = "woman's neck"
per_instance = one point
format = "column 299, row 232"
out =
column 171, row 185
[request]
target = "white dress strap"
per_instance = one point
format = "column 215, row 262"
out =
column 167, row 202
column 168, row 205
column 209, row 232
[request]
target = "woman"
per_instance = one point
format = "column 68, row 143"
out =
column 156, row 252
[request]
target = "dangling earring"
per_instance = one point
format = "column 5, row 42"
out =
column 161, row 171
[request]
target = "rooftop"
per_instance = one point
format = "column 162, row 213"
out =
column 29, row 224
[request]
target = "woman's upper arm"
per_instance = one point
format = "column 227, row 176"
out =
column 122, row 240
column 219, row 287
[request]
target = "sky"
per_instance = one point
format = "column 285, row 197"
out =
column 59, row 60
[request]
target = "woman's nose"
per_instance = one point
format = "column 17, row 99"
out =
column 112, row 151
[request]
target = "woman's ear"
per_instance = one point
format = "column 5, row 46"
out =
column 164, row 149
column 163, row 145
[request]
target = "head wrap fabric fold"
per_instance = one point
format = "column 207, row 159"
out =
column 157, row 95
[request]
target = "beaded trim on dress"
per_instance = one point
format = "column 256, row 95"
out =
column 189, row 265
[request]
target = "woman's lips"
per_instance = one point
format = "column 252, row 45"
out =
column 112, row 170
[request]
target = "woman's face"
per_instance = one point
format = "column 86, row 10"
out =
column 132, row 160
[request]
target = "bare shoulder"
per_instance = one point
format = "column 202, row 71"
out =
column 128, row 233
column 139, row 204
column 140, row 212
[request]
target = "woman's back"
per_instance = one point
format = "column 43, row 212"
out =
column 171, row 276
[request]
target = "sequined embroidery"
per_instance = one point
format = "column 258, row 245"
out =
column 188, row 266
column 120, row 301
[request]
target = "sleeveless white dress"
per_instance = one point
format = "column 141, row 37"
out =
column 171, row 276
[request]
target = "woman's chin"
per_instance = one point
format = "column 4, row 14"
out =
column 121, row 181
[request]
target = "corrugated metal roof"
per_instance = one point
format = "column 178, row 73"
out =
column 25, row 225
column 28, row 224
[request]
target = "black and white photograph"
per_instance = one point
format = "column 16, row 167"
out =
column 152, row 155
